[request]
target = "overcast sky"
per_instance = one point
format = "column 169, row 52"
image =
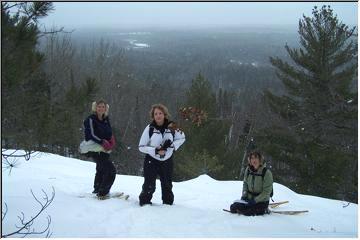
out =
column 125, row 14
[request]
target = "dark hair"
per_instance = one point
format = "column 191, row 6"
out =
column 256, row 154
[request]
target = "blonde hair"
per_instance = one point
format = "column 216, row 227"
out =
column 162, row 108
column 94, row 104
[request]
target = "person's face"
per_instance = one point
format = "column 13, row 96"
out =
column 100, row 109
column 255, row 161
column 159, row 116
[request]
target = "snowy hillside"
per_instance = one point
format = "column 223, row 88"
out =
column 197, row 210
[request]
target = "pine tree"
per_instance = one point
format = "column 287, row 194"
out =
column 32, row 116
column 318, row 111
column 25, row 89
column 206, row 141
column 201, row 163
column 70, row 113
column 201, row 96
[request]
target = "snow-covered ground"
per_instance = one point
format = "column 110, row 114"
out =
column 197, row 211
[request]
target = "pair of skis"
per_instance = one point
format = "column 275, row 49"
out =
column 277, row 204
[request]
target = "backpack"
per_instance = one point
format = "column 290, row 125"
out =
column 151, row 131
column 262, row 175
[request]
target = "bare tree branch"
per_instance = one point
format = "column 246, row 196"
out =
column 3, row 213
column 45, row 32
column 346, row 205
column 25, row 228
column 27, row 154
column 11, row 160
column 10, row 164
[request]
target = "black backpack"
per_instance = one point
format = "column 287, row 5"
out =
column 151, row 131
column 262, row 175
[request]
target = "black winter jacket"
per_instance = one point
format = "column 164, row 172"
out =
column 96, row 129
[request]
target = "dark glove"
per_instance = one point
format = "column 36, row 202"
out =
column 157, row 151
column 251, row 202
column 166, row 144
column 244, row 198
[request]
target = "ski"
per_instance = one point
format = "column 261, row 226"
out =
column 110, row 195
column 289, row 212
column 126, row 197
column 120, row 195
column 276, row 204
column 280, row 212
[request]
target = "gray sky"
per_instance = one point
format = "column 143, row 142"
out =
column 124, row 14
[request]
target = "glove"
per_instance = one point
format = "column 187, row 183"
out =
column 244, row 198
column 166, row 144
column 157, row 151
column 106, row 145
column 251, row 202
column 112, row 142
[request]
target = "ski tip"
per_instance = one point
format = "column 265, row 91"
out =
column 277, row 204
column 290, row 212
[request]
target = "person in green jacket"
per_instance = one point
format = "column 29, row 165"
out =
column 257, row 188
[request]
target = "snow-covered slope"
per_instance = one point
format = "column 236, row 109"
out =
column 197, row 211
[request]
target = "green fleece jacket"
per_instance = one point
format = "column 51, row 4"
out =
column 254, row 183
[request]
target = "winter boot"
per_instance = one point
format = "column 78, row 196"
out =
column 142, row 203
column 102, row 196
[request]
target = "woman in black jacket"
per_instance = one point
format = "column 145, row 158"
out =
column 98, row 143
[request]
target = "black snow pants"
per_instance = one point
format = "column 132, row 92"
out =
column 152, row 168
column 249, row 210
column 105, row 172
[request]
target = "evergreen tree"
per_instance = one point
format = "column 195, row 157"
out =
column 318, row 113
column 201, row 96
column 25, row 89
column 205, row 142
column 70, row 113
column 33, row 116
column 201, row 163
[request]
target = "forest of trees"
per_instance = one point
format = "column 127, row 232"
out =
column 293, row 95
